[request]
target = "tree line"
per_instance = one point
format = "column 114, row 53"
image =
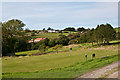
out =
column 14, row 39
column 66, row 29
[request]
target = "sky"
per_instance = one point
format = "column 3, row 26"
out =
column 59, row 15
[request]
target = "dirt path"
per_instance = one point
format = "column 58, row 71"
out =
column 110, row 71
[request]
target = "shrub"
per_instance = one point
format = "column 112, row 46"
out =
column 58, row 46
column 29, row 54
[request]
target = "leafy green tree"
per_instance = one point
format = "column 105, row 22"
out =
column 90, row 36
column 63, row 40
column 49, row 28
column 96, row 34
column 51, row 42
column 32, row 33
column 27, row 30
column 42, row 48
column 105, row 33
column 43, row 29
column 11, row 31
column 0, row 39
column 74, row 35
column 46, row 42
column 81, row 29
column 100, row 32
column 110, row 33
column 69, row 29
column 58, row 46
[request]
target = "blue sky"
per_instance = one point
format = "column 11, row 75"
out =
column 59, row 15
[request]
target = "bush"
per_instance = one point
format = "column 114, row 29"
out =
column 42, row 48
column 58, row 46
column 29, row 54
column 73, row 41
column 51, row 42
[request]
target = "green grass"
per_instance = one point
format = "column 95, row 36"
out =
column 40, row 65
column 71, row 71
column 27, row 52
column 49, row 35
column 50, row 61
column 50, row 50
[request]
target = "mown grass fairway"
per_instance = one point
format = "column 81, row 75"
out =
column 48, row 62
column 72, row 71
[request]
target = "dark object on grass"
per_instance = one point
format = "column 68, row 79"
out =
column 86, row 56
column 70, row 49
column 93, row 55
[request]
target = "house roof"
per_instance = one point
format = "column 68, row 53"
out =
column 30, row 41
column 37, row 40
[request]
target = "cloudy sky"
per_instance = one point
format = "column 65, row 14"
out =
column 58, row 15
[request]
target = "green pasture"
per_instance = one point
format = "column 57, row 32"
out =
column 71, row 71
column 58, row 65
column 49, row 35
column 64, row 48
column 51, row 61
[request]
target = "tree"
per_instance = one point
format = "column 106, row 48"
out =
column 45, row 41
column 42, row 48
column 73, row 35
column 105, row 33
column 27, row 30
column 32, row 33
column 110, row 33
column 49, row 28
column 0, row 39
column 81, row 29
column 12, row 30
column 63, row 40
column 51, row 42
column 58, row 46
column 43, row 29
column 69, row 29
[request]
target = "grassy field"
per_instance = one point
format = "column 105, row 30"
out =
column 49, row 35
column 34, row 65
column 71, row 71
column 64, row 48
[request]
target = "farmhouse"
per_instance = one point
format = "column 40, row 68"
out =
column 36, row 40
column 51, row 31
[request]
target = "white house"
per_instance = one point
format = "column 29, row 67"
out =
column 50, row 31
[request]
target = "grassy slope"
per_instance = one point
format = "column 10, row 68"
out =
column 45, row 62
column 72, row 71
column 52, row 61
